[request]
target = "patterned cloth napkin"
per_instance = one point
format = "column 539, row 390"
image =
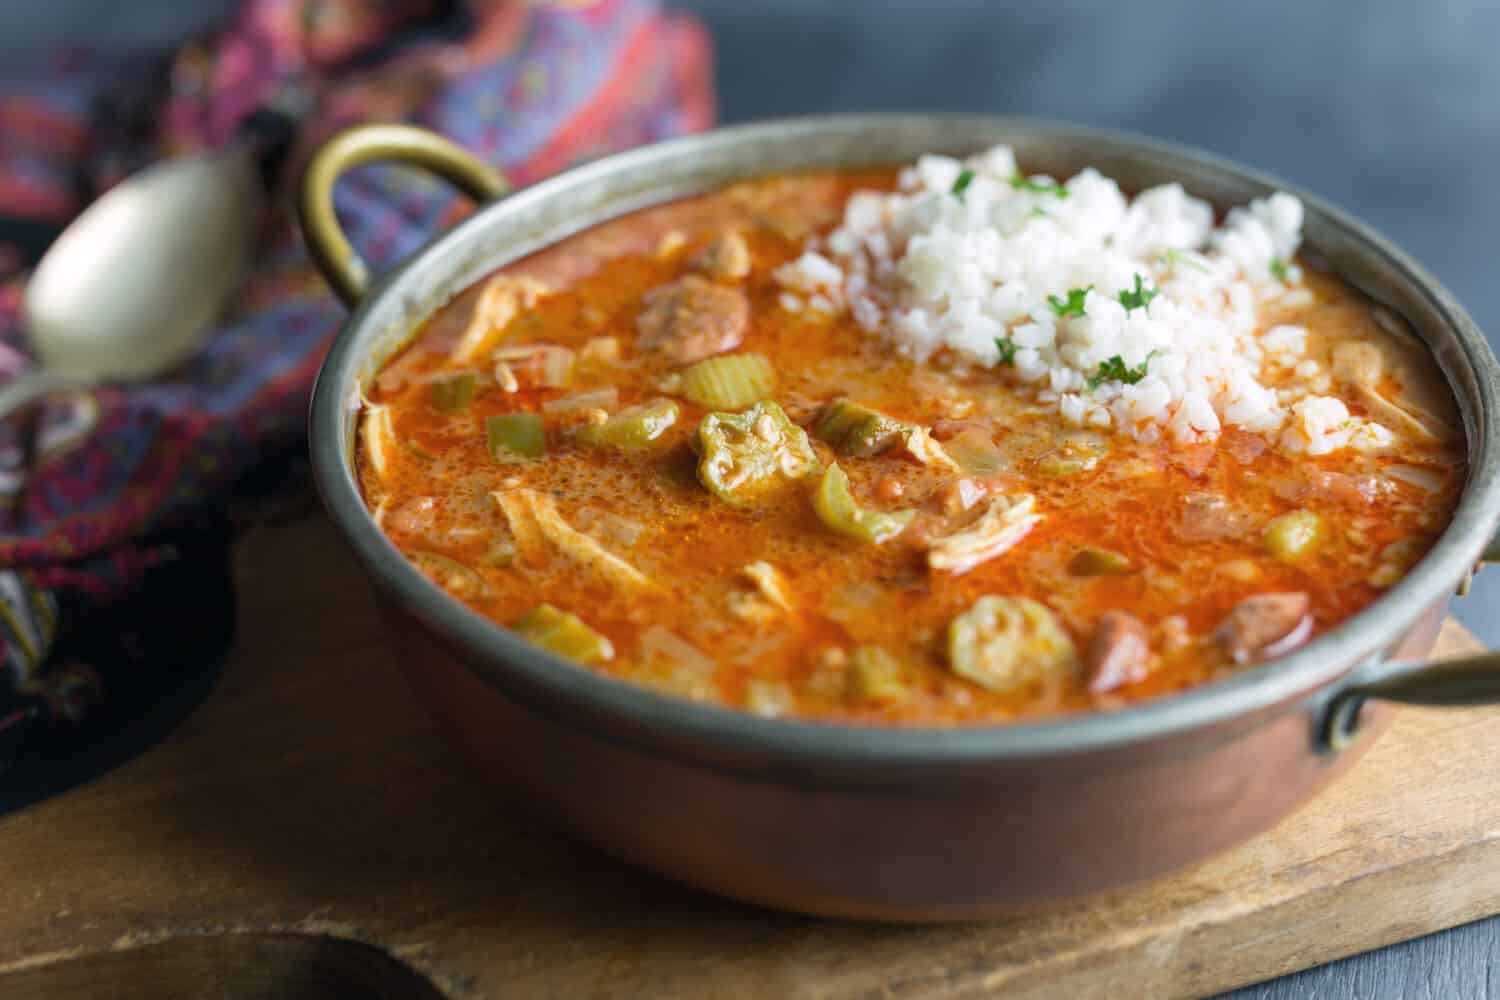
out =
column 105, row 495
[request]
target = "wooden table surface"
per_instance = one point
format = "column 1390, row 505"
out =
column 308, row 830
column 1399, row 136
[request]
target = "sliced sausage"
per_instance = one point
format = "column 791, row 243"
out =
column 1264, row 626
column 1118, row 653
column 1208, row 516
column 1194, row 460
column 692, row 318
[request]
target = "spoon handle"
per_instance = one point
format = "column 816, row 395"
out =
column 27, row 388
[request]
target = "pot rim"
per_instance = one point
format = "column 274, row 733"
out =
column 551, row 684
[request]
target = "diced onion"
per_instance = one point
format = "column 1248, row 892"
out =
column 449, row 573
column 594, row 399
column 1423, row 479
column 600, row 352
column 556, row 368
column 565, row 634
column 658, row 642
column 611, row 527
column 499, row 302
column 545, row 366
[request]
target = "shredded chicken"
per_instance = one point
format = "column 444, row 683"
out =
column 1004, row 523
column 960, row 495
column 726, row 258
column 503, row 297
column 920, row 445
column 769, row 581
column 1357, row 361
column 612, row 528
column 535, row 522
column 516, row 506
column 379, row 434
column 1359, row 365
column 768, row 601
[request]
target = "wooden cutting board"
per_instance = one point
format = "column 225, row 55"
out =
column 307, row 833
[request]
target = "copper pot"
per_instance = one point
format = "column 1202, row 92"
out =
column 903, row 824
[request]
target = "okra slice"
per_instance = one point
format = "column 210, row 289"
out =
column 836, row 508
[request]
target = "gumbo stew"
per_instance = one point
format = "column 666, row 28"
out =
column 945, row 444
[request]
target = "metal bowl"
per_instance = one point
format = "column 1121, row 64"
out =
column 886, row 823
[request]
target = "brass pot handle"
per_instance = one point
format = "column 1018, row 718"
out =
column 1467, row 680
column 340, row 263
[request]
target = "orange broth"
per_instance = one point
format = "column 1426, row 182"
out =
column 434, row 495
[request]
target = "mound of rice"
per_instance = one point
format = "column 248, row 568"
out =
column 1137, row 315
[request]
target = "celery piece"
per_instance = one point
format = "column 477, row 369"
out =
column 729, row 381
column 563, row 633
column 455, row 393
column 876, row 675
column 515, row 437
column 449, row 573
column 1294, row 536
column 768, row 699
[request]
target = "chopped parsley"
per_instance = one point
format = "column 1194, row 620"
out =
column 1073, row 304
column 1139, row 297
column 961, row 184
column 1023, row 183
column 1278, row 269
column 1115, row 370
column 1007, row 349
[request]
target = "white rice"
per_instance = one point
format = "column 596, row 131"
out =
column 929, row 270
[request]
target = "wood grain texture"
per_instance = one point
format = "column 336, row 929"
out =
column 310, row 795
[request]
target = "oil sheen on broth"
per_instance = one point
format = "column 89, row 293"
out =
column 658, row 450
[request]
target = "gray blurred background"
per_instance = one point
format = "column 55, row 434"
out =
column 1390, row 109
